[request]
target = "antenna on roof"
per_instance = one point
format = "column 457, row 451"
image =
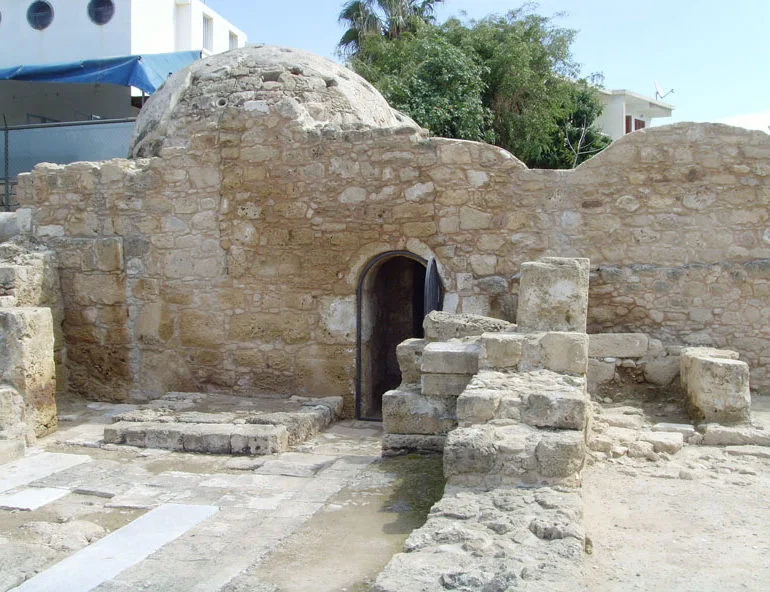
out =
column 659, row 94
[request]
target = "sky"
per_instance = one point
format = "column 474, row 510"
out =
column 714, row 54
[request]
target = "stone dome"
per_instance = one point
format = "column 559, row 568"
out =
column 301, row 87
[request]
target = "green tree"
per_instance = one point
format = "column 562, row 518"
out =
column 387, row 18
column 510, row 80
column 421, row 73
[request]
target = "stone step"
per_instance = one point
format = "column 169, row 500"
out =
column 225, row 438
column 539, row 398
column 513, row 454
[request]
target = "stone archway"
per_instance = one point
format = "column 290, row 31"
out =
column 390, row 309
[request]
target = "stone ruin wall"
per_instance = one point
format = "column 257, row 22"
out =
column 230, row 260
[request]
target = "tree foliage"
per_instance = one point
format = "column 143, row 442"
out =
column 386, row 18
column 508, row 80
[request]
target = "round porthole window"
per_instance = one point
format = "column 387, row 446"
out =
column 101, row 11
column 40, row 15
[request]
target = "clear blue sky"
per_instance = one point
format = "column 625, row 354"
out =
column 715, row 54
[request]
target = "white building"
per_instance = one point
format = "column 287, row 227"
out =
column 39, row 32
column 625, row 112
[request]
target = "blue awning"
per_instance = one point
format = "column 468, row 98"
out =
column 145, row 72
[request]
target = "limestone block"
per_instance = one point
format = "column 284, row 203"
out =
column 208, row 438
column 393, row 444
column 443, row 326
column 470, row 450
column 450, row 358
column 27, row 363
column 618, row 345
column 410, row 412
column 599, row 372
column 409, row 354
column 719, row 435
column 477, row 406
column 500, row 351
column 565, row 352
column 10, row 450
column 718, row 388
column 668, row 442
column 444, row 385
column 258, row 439
column 560, row 454
column 679, row 428
column 553, row 295
column 12, row 423
column 564, row 409
column 662, row 371
column 687, row 354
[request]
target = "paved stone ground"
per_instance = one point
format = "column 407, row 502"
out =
column 254, row 506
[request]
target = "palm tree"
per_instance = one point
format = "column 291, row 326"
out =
column 388, row 18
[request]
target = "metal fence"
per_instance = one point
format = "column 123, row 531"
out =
column 24, row 146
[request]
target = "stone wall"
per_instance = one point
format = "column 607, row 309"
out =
column 229, row 260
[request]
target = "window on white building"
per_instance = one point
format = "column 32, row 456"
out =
column 101, row 11
column 233, row 40
column 208, row 33
column 40, row 15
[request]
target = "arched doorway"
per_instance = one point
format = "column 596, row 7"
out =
column 390, row 309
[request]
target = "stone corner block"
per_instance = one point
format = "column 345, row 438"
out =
column 718, row 389
column 450, row 358
column 565, row 352
column 411, row 412
column 409, row 355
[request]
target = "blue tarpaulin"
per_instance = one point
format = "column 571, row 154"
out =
column 145, row 72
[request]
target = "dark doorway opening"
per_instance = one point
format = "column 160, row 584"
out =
column 391, row 308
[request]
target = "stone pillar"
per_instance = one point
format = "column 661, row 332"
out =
column 27, row 363
column 553, row 295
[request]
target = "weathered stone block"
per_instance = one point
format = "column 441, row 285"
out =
column 409, row 354
column 560, row 454
column 564, row 408
column 718, row 388
column 719, row 435
column 565, row 352
column 258, row 439
column 599, row 372
column 553, row 295
column 410, row 412
column 444, row 385
column 618, row 345
column 687, row 354
column 477, row 406
column 662, row 371
column 668, row 442
column 450, row 358
column 10, row 450
column 208, row 438
column 443, row 326
column 500, row 351
column 27, row 363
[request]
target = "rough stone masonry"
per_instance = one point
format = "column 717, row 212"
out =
column 226, row 253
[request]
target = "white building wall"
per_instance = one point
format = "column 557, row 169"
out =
column 153, row 26
column 612, row 121
column 72, row 36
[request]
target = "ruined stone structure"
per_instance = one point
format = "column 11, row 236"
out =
column 270, row 233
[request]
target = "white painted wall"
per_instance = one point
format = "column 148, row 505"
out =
column 72, row 36
column 612, row 121
column 138, row 26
